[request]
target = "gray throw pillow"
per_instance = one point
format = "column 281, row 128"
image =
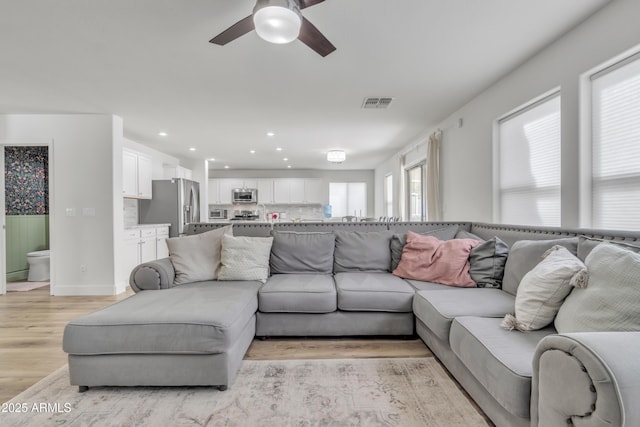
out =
column 245, row 258
column 526, row 254
column 398, row 241
column 611, row 299
column 487, row 261
column 295, row 252
column 197, row 258
column 362, row 251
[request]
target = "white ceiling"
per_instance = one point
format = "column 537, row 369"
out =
column 150, row 62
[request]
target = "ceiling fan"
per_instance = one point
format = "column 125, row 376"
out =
column 279, row 21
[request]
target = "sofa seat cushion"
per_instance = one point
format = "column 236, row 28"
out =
column 419, row 285
column 438, row 308
column 195, row 318
column 298, row 293
column 500, row 360
column 359, row 291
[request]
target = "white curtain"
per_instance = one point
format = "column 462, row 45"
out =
column 434, row 210
column 402, row 187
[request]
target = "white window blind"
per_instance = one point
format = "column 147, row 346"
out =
column 348, row 199
column 529, row 164
column 615, row 150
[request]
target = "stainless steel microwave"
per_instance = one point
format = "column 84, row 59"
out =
column 244, row 195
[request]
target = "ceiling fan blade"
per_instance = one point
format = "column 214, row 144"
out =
column 313, row 38
column 238, row 29
column 303, row 4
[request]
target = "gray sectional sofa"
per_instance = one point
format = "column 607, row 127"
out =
column 334, row 279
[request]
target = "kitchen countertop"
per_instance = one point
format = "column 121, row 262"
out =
column 136, row 227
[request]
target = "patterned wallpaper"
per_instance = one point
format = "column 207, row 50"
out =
column 26, row 180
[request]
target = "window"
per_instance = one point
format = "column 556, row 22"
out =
column 388, row 195
column 415, row 194
column 528, row 159
column 348, row 199
column 615, row 147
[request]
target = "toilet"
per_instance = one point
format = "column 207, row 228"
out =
column 38, row 266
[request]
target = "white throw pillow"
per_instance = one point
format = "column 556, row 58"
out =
column 611, row 301
column 543, row 289
column 245, row 258
column 197, row 258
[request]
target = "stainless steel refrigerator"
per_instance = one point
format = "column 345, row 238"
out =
column 175, row 201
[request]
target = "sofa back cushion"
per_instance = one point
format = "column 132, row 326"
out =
column 526, row 254
column 399, row 240
column 296, row 252
column 362, row 251
column 429, row 259
column 611, row 299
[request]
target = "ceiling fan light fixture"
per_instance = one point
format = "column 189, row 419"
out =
column 336, row 156
column 277, row 21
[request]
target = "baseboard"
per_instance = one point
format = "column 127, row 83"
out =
column 83, row 290
column 17, row 276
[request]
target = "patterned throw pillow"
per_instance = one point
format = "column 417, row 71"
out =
column 245, row 258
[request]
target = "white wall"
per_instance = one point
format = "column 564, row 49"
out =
column 466, row 154
column 326, row 176
column 87, row 167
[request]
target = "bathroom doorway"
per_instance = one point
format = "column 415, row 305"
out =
column 25, row 218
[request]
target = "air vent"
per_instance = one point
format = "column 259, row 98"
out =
column 376, row 102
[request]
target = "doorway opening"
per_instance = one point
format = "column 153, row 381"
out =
column 26, row 231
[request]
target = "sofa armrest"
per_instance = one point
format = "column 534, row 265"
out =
column 590, row 378
column 158, row 274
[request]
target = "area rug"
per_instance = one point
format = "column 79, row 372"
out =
column 25, row 286
column 338, row 392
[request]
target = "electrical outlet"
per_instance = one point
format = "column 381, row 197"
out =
column 83, row 268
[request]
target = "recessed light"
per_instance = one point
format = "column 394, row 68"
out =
column 226, row 166
column 252, row 151
column 279, row 149
column 289, row 166
column 285, row 159
column 192, row 149
column 271, row 134
column 162, row 134
column 212, row 159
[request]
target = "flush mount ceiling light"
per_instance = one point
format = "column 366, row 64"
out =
column 336, row 156
column 277, row 21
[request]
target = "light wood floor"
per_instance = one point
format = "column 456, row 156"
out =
column 32, row 323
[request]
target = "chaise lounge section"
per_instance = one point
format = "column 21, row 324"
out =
column 335, row 279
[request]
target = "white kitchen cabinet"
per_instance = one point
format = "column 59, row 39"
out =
column 162, row 234
column 213, row 192
column 178, row 171
column 143, row 245
column 313, row 191
column 297, row 190
column 130, row 252
column 147, row 244
column 281, row 190
column 136, row 175
column 265, row 191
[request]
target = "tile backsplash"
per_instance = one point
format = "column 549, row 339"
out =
column 130, row 212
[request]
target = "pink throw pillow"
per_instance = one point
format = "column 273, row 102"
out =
column 429, row 259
